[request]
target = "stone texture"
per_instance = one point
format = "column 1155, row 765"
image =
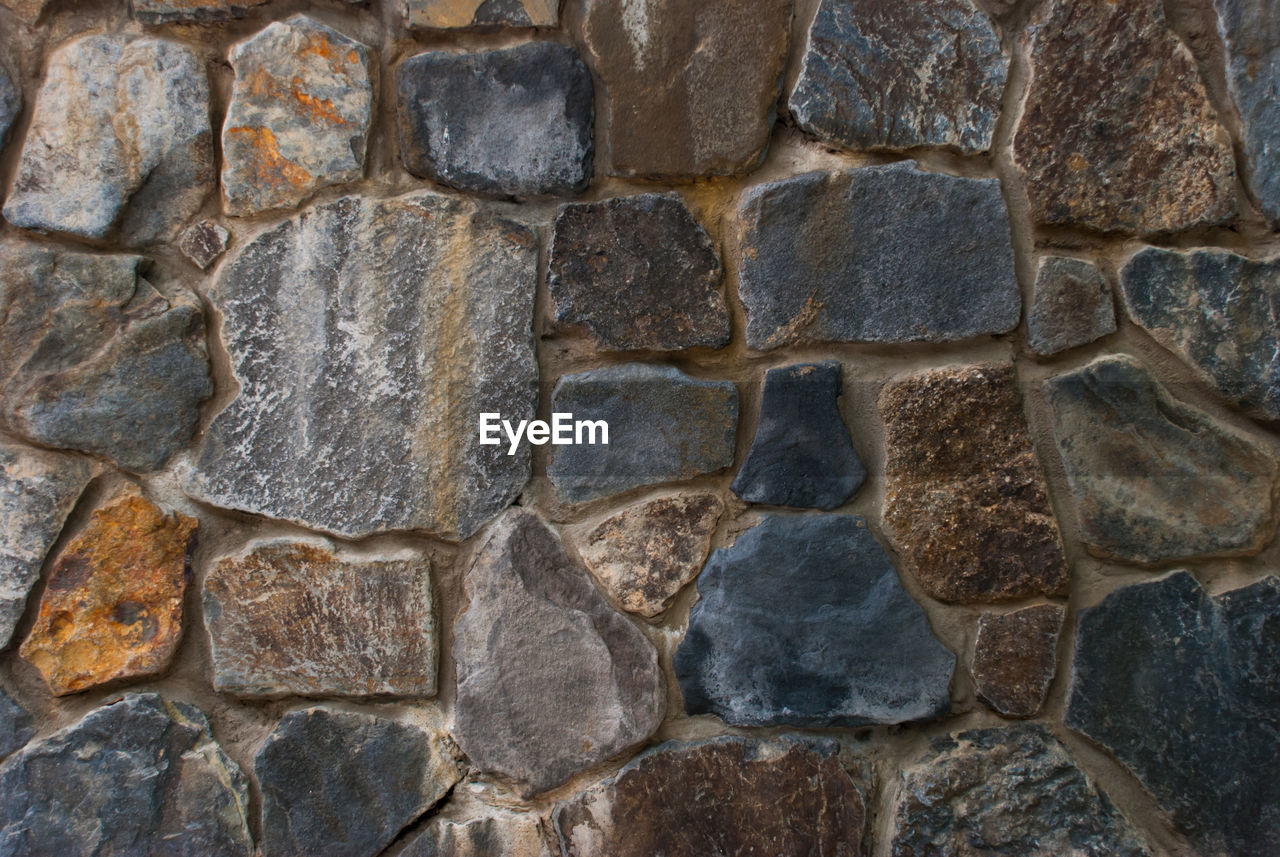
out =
column 1071, row 306
column 204, row 243
column 644, row 555
column 342, row 784
column 729, row 795
column 10, row 100
column 1007, row 791
column 299, row 118
column 119, row 141
column 1154, row 479
column 93, row 357
column 1117, row 133
column 512, row 122
column 140, row 777
column 500, row 834
column 1015, row 657
column 1184, row 689
column 456, row 14
column 169, row 11
column 802, row 621
column 878, row 254
column 550, row 679
column 637, row 272
column 690, row 88
column 367, row 336
column 28, row 10
column 16, row 725
column 965, row 496
column 879, row 74
column 663, row 426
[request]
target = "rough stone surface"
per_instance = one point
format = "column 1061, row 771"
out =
column 204, row 243
column 1184, row 689
column 690, row 88
column 663, row 426
column 1250, row 30
column 802, row 621
column 878, row 254
column 29, row 10
column 456, row 14
column 1154, row 479
column 551, row 680
column 965, row 496
column 512, row 122
column 501, row 834
column 882, row 74
column 367, row 337
column 1015, row 657
column 16, row 725
column 1072, row 306
column 141, row 777
column 637, row 272
column 10, row 101
column 168, row 11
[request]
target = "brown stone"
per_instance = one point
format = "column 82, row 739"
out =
column 458, row 14
column 1015, row 656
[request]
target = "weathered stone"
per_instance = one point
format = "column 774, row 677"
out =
column 550, row 679
column 965, row 496
column 93, row 357
column 880, row 74
column 729, row 795
column 802, row 621
column 28, row 10
column 300, row 618
column 204, row 243
column 663, row 426
column 120, row 140
column 1015, row 657
column 878, row 254
column 299, row 117
column 1071, row 307
column 512, row 122
column 16, row 725
column 500, row 834
column 168, row 11
column 1184, row 689
column 644, row 555
column 1155, row 479
column 456, row 14
column 637, row 272
column 367, row 337
column 1008, row 791
column 140, row 777
column 690, row 88
column 10, row 101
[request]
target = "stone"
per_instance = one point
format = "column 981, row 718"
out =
column 95, row 358
column 729, row 795
column 119, row 143
column 1010, row 790
column 690, row 88
column 367, row 336
column 1154, row 479
column 501, row 834
column 551, row 680
column 182, row 11
column 637, row 272
column 885, row 75
column 299, row 118
column 966, row 500
column 204, row 243
column 1015, row 657
column 1184, row 689
column 801, row 454
column 458, row 14
column 514, row 122
column 644, row 555
column 305, row 619
column 802, row 622
column 139, row 777
column 878, row 254
column 28, row 10
column 16, row 725
column 663, row 427
column 1071, row 307
column 10, row 101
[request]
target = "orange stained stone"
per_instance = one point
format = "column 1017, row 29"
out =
column 271, row 169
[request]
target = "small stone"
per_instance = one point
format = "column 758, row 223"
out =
column 458, row 14
column 644, row 555
column 1015, row 657
column 1155, row 479
column 802, row 621
column 501, row 834
column 204, row 243
column 299, row 118
column 878, row 254
column 16, row 725
column 551, row 680
column 663, row 427
column 1071, row 307
column 512, row 122
column 170, row 11
column 637, row 272
column 10, row 101
column 966, row 499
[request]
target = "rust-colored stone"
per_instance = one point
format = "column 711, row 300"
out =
column 1015, row 657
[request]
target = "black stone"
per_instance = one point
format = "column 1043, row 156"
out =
column 16, row 725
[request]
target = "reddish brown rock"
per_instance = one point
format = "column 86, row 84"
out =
column 1015, row 657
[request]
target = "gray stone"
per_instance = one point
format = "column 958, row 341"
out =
column 367, row 336
column 663, row 426
column 878, row 254
column 170, row 11
column 457, row 14
column 10, row 101
column 512, row 122
column 204, row 243
column 551, row 680
column 802, row 621
column 1071, row 307
column 499, row 834
column 1155, row 479
column 1184, row 689
column 16, row 725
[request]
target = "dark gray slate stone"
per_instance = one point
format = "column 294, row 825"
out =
column 204, row 243
column 801, row 454
column 169, row 11
column 512, row 122
column 802, row 621
column 16, row 725
column 878, row 254
column 141, row 777
column 10, row 101
column 1072, row 306
column 663, row 426
column 1184, row 689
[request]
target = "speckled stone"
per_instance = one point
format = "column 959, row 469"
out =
column 10, row 101
column 171, row 11
column 498, row 834
column 1072, row 306
column 1015, row 656
column 204, row 243
column 458, row 14
column 17, row 726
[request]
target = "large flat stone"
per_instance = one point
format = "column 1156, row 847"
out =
column 170, row 11
column 10, row 101
column 1072, row 306
column 459, row 14
column 17, row 726
column 499, row 834
column 1015, row 656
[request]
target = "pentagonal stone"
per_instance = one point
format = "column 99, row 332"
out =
column 1071, row 307
column 204, row 243
column 10, row 100
column 498, row 834
column 16, row 725
column 169, row 11
column 457, row 14
column 1015, row 657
